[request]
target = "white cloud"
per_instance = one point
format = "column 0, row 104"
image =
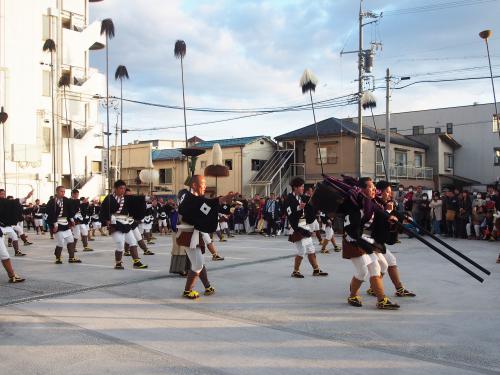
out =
column 252, row 53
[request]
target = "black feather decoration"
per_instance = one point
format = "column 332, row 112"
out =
column 180, row 49
column 121, row 72
column 64, row 81
column 49, row 45
column 108, row 28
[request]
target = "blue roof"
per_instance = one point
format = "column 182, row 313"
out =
column 167, row 154
column 230, row 142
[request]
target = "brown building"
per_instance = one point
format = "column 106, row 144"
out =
column 337, row 150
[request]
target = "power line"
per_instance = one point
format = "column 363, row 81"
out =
column 346, row 103
column 436, row 7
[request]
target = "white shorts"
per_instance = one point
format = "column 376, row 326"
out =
column 80, row 230
column 137, row 234
column 239, row 227
column 96, row 225
column 223, row 225
column 4, row 254
column 19, row 228
column 305, row 246
column 38, row 222
column 64, row 237
column 390, row 258
column 120, row 239
column 143, row 227
column 10, row 233
column 314, row 226
column 366, row 264
column 329, row 233
column 196, row 258
column 162, row 222
column 206, row 238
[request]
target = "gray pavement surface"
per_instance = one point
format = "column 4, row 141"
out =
column 89, row 318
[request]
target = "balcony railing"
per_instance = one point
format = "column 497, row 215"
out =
column 406, row 172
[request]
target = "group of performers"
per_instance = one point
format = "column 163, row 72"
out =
column 366, row 234
column 369, row 214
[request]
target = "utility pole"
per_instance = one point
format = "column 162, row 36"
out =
column 365, row 64
column 359, row 140
column 388, row 125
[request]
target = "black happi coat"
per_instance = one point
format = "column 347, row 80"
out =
column 200, row 212
column 295, row 213
column 53, row 210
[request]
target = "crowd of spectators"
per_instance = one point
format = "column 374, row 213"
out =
column 453, row 212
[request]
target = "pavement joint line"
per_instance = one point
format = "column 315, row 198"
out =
column 129, row 282
column 129, row 344
column 335, row 338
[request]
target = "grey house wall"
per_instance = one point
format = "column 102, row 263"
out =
column 472, row 128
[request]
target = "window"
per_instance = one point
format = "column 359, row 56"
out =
column 437, row 130
column 497, row 155
column 495, row 123
column 46, row 139
column 418, row 130
column 393, row 130
column 66, row 22
column 229, row 164
column 449, row 128
column 401, row 158
column 96, row 166
column 46, row 82
column 257, row 164
column 379, row 154
column 448, row 161
column 166, row 176
column 323, row 153
column 203, row 164
column 419, row 158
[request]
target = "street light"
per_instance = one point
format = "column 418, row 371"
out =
column 485, row 34
column 3, row 119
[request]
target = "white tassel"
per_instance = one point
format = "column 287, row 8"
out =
column 308, row 81
column 368, row 100
column 216, row 154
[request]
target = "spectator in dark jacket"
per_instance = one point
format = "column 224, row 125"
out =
column 451, row 207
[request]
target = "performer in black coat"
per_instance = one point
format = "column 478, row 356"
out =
column 60, row 217
column 115, row 215
column 385, row 232
column 37, row 213
column 5, row 207
column 361, row 248
column 199, row 218
column 301, row 216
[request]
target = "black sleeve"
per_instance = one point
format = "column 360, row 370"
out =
column 105, row 211
column 51, row 212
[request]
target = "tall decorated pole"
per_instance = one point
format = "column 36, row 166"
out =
column 368, row 101
column 108, row 29
column 64, row 82
column 308, row 83
column 50, row 46
column 121, row 74
column 485, row 35
column 191, row 153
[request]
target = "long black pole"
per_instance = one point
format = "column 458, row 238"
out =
column 379, row 147
column 460, row 254
column 108, row 175
column 317, row 134
column 121, row 126
column 493, row 86
column 440, row 252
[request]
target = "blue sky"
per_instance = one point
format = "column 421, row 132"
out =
column 251, row 54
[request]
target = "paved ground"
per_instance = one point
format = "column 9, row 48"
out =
column 89, row 318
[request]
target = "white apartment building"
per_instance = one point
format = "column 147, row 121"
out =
column 473, row 127
column 28, row 93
